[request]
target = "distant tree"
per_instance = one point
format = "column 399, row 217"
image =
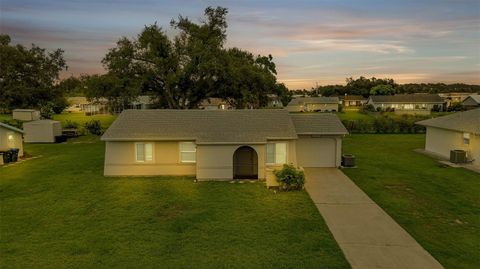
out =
column 28, row 75
column 119, row 92
column 71, row 86
column 283, row 93
column 384, row 89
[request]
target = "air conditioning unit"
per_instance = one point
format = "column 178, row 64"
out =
column 458, row 156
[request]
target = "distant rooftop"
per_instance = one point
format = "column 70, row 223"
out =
column 407, row 98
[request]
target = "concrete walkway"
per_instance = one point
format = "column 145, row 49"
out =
column 367, row 235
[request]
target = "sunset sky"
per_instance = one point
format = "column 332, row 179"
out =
column 311, row 41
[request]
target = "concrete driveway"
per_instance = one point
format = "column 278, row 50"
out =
column 367, row 235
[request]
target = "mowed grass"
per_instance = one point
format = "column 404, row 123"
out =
column 439, row 207
column 78, row 117
column 58, row 211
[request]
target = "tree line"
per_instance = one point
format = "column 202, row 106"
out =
column 384, row 86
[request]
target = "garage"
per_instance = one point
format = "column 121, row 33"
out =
column 316, row 151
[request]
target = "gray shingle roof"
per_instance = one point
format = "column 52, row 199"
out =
column 218, row 126
column 9, row 127
column 467, row 121
column 407, row 98
column 313, row 100
column 321, row 123
column 474, row 97
column 203, row 126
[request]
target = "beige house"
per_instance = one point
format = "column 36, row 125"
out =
column 214, row 104
column 407, row 103
column 219, row 144
column 458, row 131
column 313, row 104
column 25, row 114
column 11, row 137
column 42, row 131
column 472, row 101
column 353, row 101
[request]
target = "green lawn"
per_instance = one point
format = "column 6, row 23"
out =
column 58, row 211
column 78, row 117
column 439, row 207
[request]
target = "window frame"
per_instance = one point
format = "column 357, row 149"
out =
column 180, row 152
column 275, row 161
column 144, row 152
column 466, row 138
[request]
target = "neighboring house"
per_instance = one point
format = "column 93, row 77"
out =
column 100, row 106
column 353, row 101
column 25, row 114
column 42, row 131
column 458, row 131
column 454, row 97
column 221, row 144
column 472, row 101
column 313, row 104
column 274, row 101
column 142, row 102
column 407, row 103
column 89, row 107
column 11, row 137
column 214, row 104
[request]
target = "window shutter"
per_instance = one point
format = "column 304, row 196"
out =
column 148, row 152
column 140, row 152
column 271, row 153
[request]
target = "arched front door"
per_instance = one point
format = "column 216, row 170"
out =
column 245, row 163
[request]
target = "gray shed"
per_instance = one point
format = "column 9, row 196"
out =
column 42, row 131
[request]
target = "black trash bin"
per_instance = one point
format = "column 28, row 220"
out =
column 7, row 156
column 14, row 153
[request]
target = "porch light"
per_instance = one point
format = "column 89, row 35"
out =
column 10, row 137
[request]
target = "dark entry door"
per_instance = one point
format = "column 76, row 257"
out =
column 245, row 163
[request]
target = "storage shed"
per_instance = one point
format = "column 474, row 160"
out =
column 42, row 131
column 26, row 114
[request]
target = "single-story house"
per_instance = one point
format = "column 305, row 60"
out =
column 214, row 104
column 313, row 104
column 353, row 100
column 25, row 114
column 454, row 97
column 274, row 101
column 472, row 101
column 11, row 137
column 219, row 144
column 458, row 131
column 42, row 131
column 89, row 107
column 407, row 103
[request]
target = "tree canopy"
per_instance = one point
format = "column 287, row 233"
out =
column 28, row 76
column 194, row 65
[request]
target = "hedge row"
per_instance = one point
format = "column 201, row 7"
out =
column 385, row 124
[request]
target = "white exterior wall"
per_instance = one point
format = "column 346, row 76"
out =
column 441, row 141
column 11, row 139
column 42, row 132
column 26, row 115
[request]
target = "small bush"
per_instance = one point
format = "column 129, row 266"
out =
column 290, row 178
column 94, row 127
column 71, row 125
column 367, row 108
column 15, row 123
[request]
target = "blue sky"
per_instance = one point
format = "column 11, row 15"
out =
column 311, row 41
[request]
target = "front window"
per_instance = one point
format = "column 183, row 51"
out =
column 188, row 152
column 466, row 138
column 277, row 153
column 143, row 152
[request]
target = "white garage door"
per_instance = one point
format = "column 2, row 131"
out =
column 316, row 152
